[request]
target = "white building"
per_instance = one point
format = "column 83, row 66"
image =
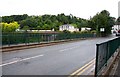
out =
column 68, row 27
column 85, row 29
column 115, row 28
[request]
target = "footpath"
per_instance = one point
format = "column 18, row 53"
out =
column 116, row 67
column 117, row 72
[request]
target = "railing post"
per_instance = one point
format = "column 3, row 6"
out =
column 8, row 39
column 96, row 62
column 38, row 38
column 107, row 52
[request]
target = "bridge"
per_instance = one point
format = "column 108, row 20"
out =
column 87, row 56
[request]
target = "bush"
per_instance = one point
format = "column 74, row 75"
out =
column 85, row 31
column 93, row 31
column 66, row 31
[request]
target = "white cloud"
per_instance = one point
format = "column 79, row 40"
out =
column 79, row 8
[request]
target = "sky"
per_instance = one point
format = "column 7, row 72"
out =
column 78, row 8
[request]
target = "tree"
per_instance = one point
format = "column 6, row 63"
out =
column 38, row 28
column 46, row 21
column 11, row 27
column 103, row 20
column 118, row 21
column 91, row 24
column 13, row 18
column 26, row 28
column 31, row 22
column 7, row 19
column 46, row 27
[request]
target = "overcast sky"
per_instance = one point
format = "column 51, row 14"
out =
column 79, row 8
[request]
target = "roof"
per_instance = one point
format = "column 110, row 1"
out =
column 74, row 25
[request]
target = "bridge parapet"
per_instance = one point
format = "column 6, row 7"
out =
column 106, row 55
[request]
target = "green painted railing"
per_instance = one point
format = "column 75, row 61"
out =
column 103, row 53
column 26, row 38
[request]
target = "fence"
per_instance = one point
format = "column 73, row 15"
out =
column 103, row 53
column 27, row 38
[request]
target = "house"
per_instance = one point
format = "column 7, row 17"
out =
column 18, row 30
column 68, row 27
column 85, row 29
column 115, row 28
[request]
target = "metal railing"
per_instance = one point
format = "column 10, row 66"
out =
column 103, row 53
column 27, row 38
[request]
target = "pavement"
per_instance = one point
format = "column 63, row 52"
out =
column 117, row 66
column 62, row 59
column 117, row 72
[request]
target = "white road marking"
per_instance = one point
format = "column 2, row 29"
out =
column 64, row 50
column 68, row 49
column 20, row 60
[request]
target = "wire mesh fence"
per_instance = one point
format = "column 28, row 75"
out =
column 27, row 38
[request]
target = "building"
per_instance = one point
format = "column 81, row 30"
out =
column 68, row 27
column 115, row 28
column 85, row 29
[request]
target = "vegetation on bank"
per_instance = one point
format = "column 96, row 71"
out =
column 9, row 27
column 49, row 22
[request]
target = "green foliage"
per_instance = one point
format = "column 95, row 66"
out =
column 93, row 31
column 118, row 21
column 66, row 31
column 74, row 25
column 31, row 22
column 85, row 31
column 12, row 18
column 26, row 28
column 49, row 22
column 46, row 27
column 45, row 21
column 11, row 27
column 102, row 20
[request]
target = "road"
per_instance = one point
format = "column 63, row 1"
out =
column 62, row 59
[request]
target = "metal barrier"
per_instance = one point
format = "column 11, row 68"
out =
column 103, row 53
column 27, row 38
